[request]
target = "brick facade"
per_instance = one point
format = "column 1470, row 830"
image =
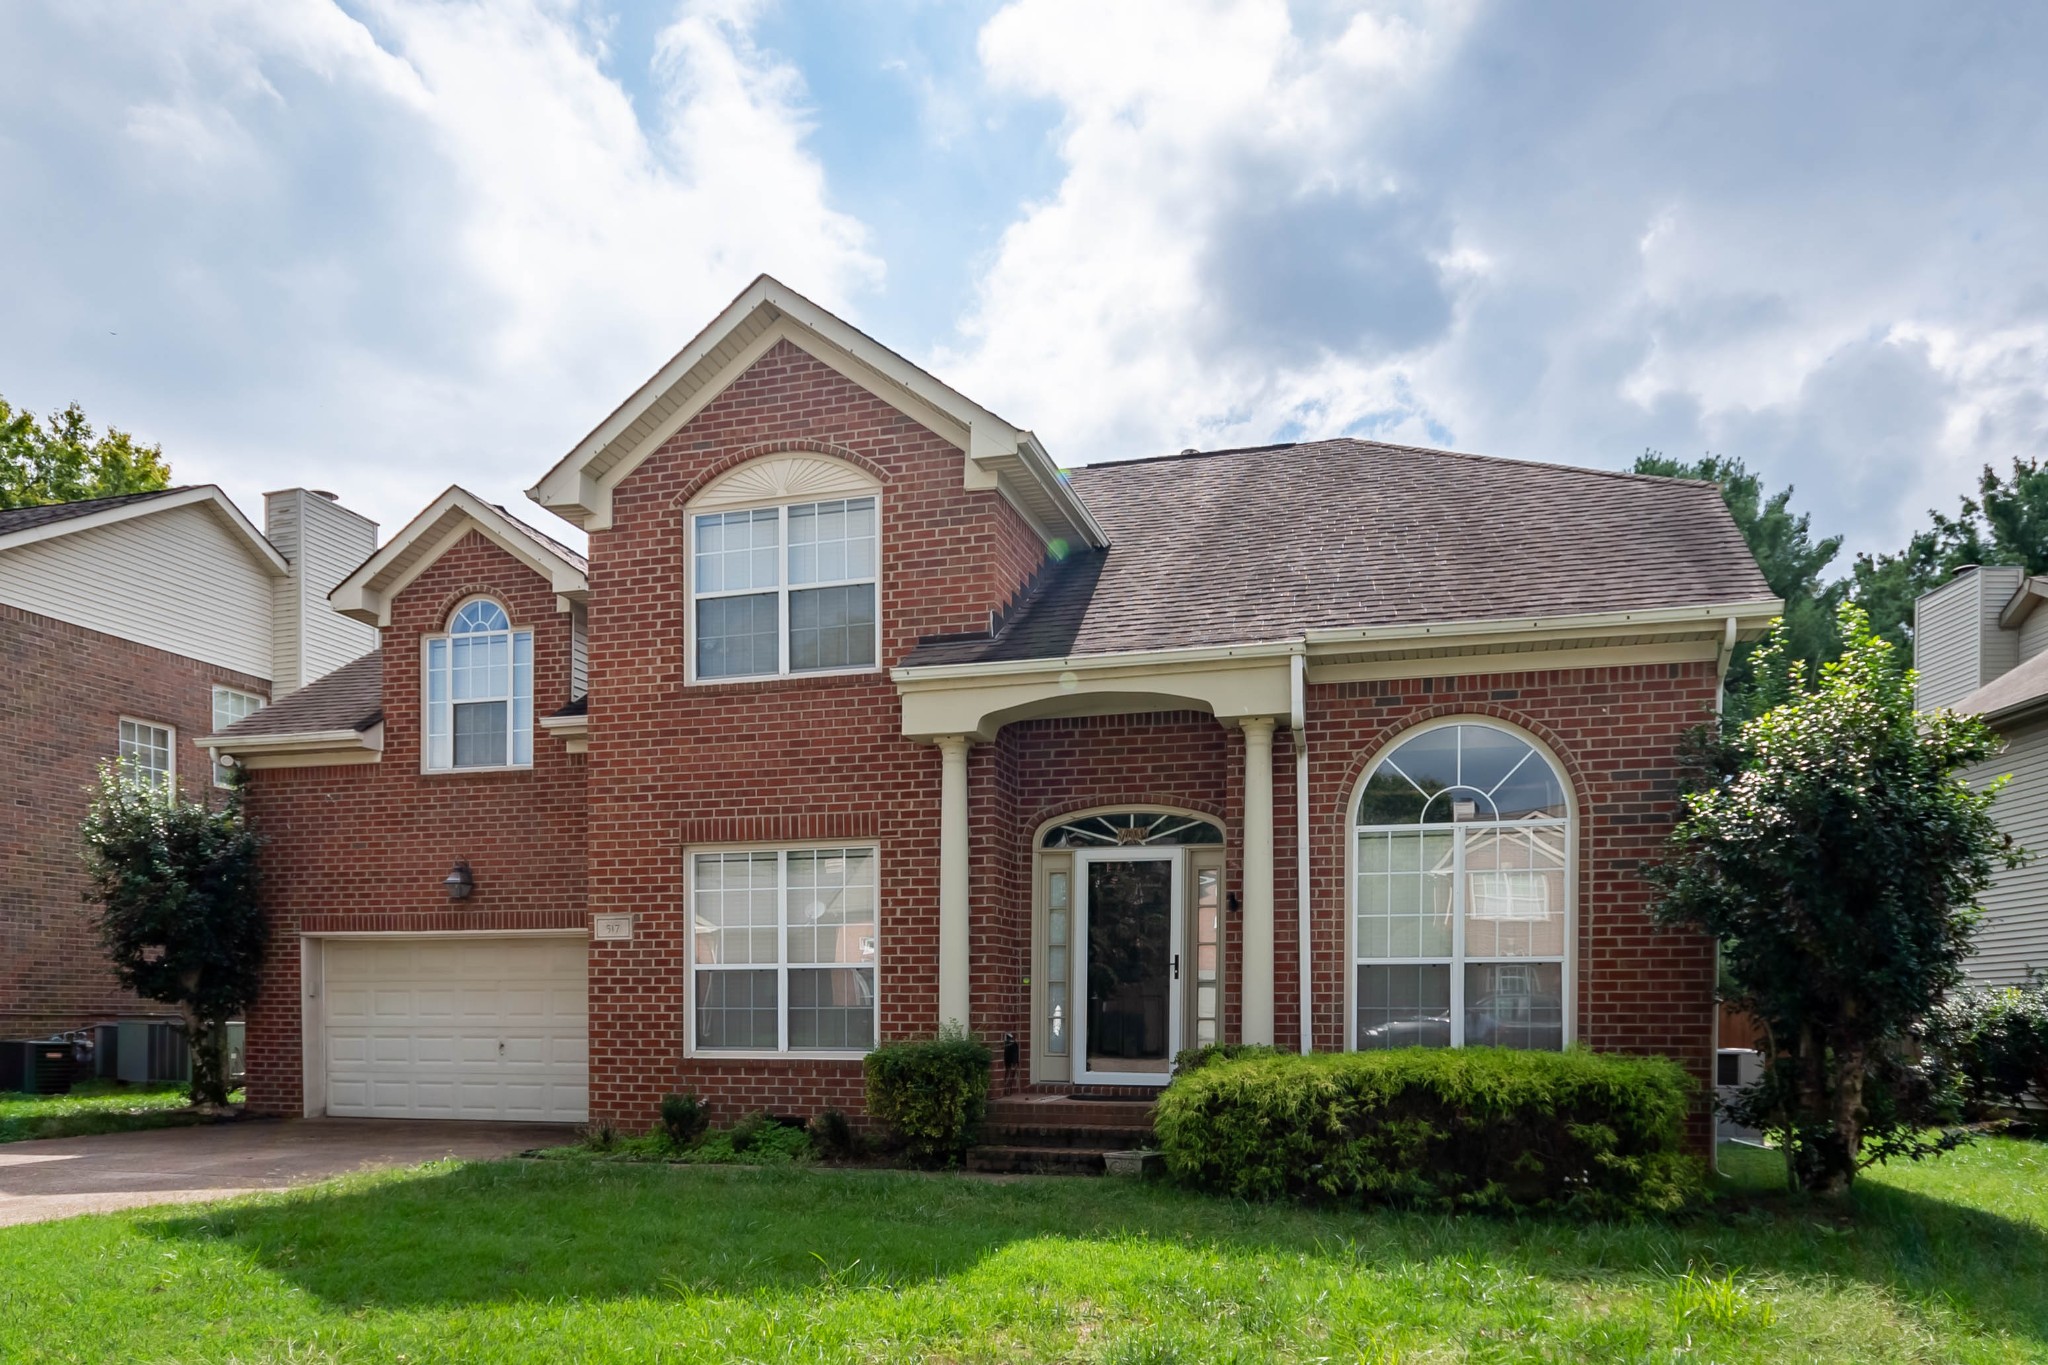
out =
column 673, row 767
column 364, row 847
column 63, row 691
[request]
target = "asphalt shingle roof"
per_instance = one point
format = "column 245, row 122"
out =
column 1246, row 546
column 349, row 698
column 2011, row 690
column 14, row 519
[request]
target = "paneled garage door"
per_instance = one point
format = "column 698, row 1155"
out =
column 484, row 1028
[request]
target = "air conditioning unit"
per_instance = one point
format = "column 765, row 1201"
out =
column 36, row 1066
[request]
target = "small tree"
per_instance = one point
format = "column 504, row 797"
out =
column 175, row 881
column 1838, row 858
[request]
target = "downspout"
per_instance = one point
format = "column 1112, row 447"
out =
column 1722, row 659
column 1299, row 722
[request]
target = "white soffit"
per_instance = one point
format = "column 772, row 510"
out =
column 996, row 454
column 366, row 594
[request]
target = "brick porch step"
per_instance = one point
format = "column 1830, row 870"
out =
column 1057, row 1134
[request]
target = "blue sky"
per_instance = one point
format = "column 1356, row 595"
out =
column 384, row 245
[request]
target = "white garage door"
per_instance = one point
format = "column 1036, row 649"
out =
column 485, row 1028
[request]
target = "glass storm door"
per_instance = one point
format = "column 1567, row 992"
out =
column 1128, row 965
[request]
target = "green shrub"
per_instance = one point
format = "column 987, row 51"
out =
column 684, row 1118
column 835, row 1138
column 931, row 1095
column 600, row 1135
column 1991, row 1043
column 757, row 1140
column 1195, row 1058
column 748, row 1131
column 1464, row 1129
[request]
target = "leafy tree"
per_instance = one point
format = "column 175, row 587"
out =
column 63, row 460
column 1837, row 858
column 175, row 881
column 2006, row 523
column 1792, row 561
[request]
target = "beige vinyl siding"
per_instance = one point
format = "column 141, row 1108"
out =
column 324, row 541
column 2034, row 632
column 1958, row 645
column 176, row 580
column 2013, row 936
column 579, row 650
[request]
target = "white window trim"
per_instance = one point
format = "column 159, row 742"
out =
column 690, row 1047
column 782, row 588
column 213, row 761
column 1457, row 961
column 170, row 749
column 427, row 767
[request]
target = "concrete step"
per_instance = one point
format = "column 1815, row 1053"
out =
column 1007, row 1160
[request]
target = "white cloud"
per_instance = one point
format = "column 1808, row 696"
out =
column 388, row 249
column 1813, row 241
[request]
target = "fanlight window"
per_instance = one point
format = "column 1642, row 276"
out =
column 1459, row 904
column 1150, row 828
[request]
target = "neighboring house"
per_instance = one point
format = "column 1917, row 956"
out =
column 1980, row 642
column 862, row 716
column 130, row 628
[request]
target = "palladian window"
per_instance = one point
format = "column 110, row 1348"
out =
column 479, row 684
column 1461, row 894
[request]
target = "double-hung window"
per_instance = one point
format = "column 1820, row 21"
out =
column 479, row 691
column 1461, row 894
column 788, row 589
column 148, row 753
column 783, row 950
column 229, row 706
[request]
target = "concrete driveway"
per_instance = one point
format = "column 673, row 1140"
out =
column 59, row 1177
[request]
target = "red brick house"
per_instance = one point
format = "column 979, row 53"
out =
column 862, row 716
column 132, row 627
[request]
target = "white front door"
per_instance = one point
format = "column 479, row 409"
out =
column 457, row 1028
column 1127, row 958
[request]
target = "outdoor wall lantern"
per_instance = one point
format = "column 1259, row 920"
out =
column 459, row 882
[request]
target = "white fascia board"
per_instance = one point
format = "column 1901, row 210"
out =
column 219, row 503
column 366, row 594
column 940, row 675
column 565, row 725
column 305, row 741
column 2022, row 603
column 1753, row 616
column 571, row 490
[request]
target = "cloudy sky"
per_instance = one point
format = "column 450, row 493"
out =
column 380, row 246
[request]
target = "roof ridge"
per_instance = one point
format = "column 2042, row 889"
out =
column 1365, row 443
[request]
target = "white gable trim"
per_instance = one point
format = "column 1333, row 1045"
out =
column 260, row 550
column 997, row 454
column 367, row 594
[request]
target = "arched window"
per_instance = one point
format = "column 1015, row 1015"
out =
column 479, row 691
column 1461, row 894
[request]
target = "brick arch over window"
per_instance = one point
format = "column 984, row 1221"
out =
column 763, row 451
column 452, row 601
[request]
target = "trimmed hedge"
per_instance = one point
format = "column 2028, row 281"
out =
column 932, row 1095
column 1436, row 1128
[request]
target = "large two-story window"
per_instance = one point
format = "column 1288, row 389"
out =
column 479, row 691
column 1461, row 894
column 786, row 589
column 783, row 950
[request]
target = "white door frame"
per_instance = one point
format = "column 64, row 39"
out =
column 1176, row 859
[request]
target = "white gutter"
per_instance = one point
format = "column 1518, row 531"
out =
column 1299, row 721
column 1725, row 657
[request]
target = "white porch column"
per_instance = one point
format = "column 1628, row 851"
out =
column 954, row 961
column 1258, row 879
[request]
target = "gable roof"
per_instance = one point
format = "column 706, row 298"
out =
column 1271, row 543
column 996, row 453
column 366, row 594
column 349, row 698
column 2014, row 693
column 28, row 525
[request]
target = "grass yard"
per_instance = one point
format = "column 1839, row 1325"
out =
column 539, row 1261
column 97, row 1107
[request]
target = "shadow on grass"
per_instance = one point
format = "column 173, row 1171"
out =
column 526, row 1231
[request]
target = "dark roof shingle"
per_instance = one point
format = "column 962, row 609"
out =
column 1249, row 546
column 14, row 519
column 349, row 698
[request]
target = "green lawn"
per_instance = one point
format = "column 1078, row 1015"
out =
column 539, row 1261
column 96, row 1107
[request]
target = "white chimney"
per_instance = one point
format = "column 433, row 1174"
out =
column 323, row 541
